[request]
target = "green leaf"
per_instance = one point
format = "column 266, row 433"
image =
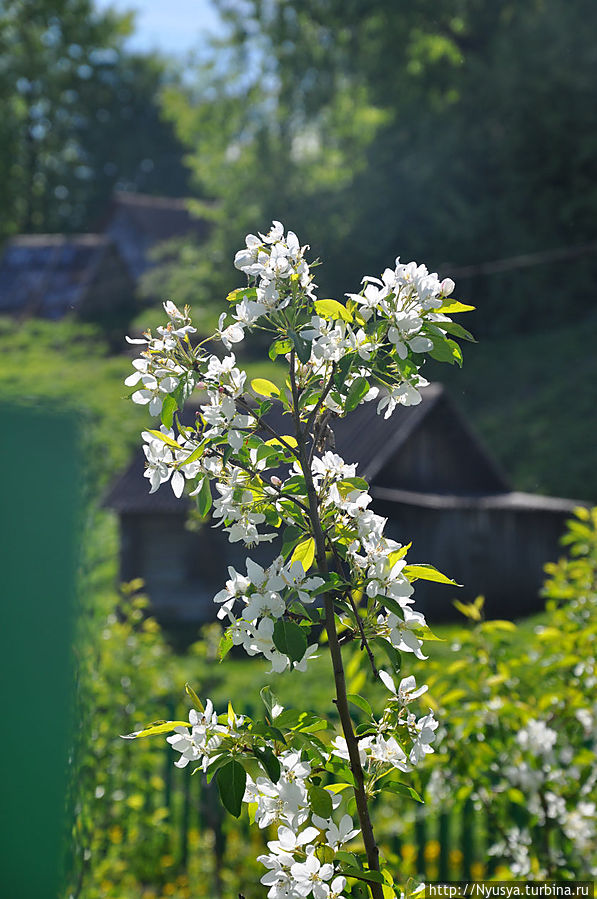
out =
column 224, row 646
column 214, row 765
column 360, row 703
column 232, row 779
column 164, row 437
column 196, row 454
column 270, row 763
column 320, row 801
column 356, row 392
column 270, row 701
column 304, row 553
column 332, row 309
column 289, row 538
column 264, row 387
column 288, row 439
column 398, row 554
column 290, row 639
column 442, row 351
column 347, row 485
column 401, row 789
column 194, row 698
column 391, row 652
column 359, row 874
column 203, row 498
column 457, row 330
column 451, row 306
column 291, row 719
column 302, row 346
column 241, row 293
column 426, row 572
column 279, row 348
column 160, row 727
column 169, row 407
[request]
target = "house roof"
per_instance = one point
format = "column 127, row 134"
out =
column 159, row 218
column 48, row 274
column 138, row 222
column 363, row 437
column 524, row 502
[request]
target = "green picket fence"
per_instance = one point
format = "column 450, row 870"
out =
column 437, row 847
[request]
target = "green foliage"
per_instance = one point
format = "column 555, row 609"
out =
column 461, row 127
column 537, row 419
column 519, row 719
column 70, row 90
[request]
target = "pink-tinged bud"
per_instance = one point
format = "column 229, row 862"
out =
column 201, row 385
column 447, row 286
column 221, row 389
column 276, row 481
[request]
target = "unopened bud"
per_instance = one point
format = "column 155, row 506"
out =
column 276, row 481
column 447, row 286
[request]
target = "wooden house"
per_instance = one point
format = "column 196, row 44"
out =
column 93, row 276
column 52, row 275
column 139, row 222
column 429, row 475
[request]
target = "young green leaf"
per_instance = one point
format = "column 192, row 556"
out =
column 269, row 762
column 425, row 572
column 357, row 390
column 232, row 780
column 360, row 703
column 204, row 498
column 302, row 346
column 169, row 407
column 167, row 440
column 304, row 553
column 162, row 727
column 279, row 348
column 401, row 789
column 264, row 387
column 290, row 639
column 194, row 698
column 332, row 309
column 451, row 306
column 270, row 701
column 224, row 646
column 320, row 801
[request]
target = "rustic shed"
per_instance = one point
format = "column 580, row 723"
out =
column 139, row 222
column 429, row 475
column 52, row 275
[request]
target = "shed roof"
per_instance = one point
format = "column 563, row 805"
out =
column 514, row 500
column 362, row 437
column 159, row 218
column 48, row 274
column 138, row 222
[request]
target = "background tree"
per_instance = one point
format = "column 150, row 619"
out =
column 468, row 129
column 70, row 92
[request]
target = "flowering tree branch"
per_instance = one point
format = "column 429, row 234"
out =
column 284, row 768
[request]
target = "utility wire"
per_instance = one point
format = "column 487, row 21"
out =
column 544, row 257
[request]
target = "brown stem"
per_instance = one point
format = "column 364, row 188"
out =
column 352, row 744
column 357, row 617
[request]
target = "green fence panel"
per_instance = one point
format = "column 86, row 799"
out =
column 39, row 523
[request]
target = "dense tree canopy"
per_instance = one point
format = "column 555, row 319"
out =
column 80, row 115
column 464, row 131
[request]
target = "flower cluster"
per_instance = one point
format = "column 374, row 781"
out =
column 301, row 862
column 266, row 595
column 261, row 484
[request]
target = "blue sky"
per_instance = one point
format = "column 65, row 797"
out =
column 170, row 26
